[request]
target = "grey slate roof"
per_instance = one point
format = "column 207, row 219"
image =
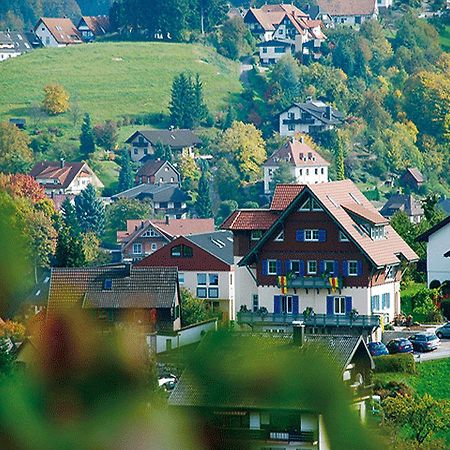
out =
column 218, row 243
column 318, row 109
column 176, row 139
column 192, row 391
column 157, row 193
column 402, row 202
column 19, row 41
column 135, row 287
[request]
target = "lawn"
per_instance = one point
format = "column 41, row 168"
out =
column 445, row 38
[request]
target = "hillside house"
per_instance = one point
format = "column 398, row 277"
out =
column 92, row 27
column 412, row 179
column 205, row 267
column 157, row 171
column 64, row 178
column 13, row 43
column 347, row 12
column 282, row 414
column 310, row 117
column 142, row 143
column 305, row 164
column 57, row 32
column 438, row 251
column 145, row 296
column 144, row 237
column 167, row 200
column 319, row 246
column 408, row 204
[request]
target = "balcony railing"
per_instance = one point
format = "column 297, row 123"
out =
column 312, row 282
column 270, row 435
column 313, row 320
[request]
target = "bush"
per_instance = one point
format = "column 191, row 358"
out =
column 391, row 389
column 403, row 362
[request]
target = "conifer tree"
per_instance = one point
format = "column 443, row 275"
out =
column 229, row 118
column 69, row 216
column 87, row 142
column 168, row 155
column 159, row 150
column 340, row 169
column 203, row 204
column 90, row 211
column 126, row 178
column 200, row 112
column 69, row 249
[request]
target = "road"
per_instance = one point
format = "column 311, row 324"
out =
column 244, row 68
column 442, row 352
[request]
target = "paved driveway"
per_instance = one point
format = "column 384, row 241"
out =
column 442, row 352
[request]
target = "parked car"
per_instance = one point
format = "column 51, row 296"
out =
column 444, row 331
column 400, row 345
column 168, row 383
column 377, row 349
column 424, row 342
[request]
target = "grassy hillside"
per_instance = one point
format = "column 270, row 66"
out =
column 445, row 38
column 110, row 80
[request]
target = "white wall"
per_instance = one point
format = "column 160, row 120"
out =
column 46, row 37
column 270, row 54
column 438, row 267
column 6, row 55
column 303, row 175
column 245, row 286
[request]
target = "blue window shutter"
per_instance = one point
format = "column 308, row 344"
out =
column 295, row 304
column 264, row 267
column 279, row 267
column 321, row 266
column 322, row 235
column 301, row 265
column 360, row 269
column 300, row 235
column 330, row 309
column 348, row 305
column 345, row 268
column 288, row 266
column 276, row 304
column 336, row 268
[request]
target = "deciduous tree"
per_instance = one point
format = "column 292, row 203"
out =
column 56, row 99
column 15, row 153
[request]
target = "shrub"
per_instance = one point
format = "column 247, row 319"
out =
column 391, row 389
column 56, row 99
column 403, row 362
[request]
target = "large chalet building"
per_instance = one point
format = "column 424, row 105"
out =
column 322, row 250
column 57, row 32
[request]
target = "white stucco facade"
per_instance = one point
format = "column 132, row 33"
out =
column 271, row 54
column 438, row 266
column 47, row 38
column 303, row 175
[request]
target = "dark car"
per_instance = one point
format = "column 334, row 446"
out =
column 444, row 331
column 424, row 342
column 377, row 349
column 400, row 345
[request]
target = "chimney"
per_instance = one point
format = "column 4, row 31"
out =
column 62, row 163
column 299, row 333
column 127, row 269
column 328, row 112
column 167, row 220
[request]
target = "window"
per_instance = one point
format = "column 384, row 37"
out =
column 264, row 50
column 328, row 267
column 386, row 301
column 214, row 279
column 339, row 305
column 311, row 267
column 181, row 277
column 279, row 49
column 316, row 171
column 310, row 204
column 154, row 247
column 202, row 292
column 352, row 268
column 213, row 293
column 295, row 267
column 286, row 304
column 231, row 278
column 291, row 116
column 280, row 236
column 163, row 205
column 255, row 235
column 343, row 237
column 181, row 251
column 135, row 151
column 390, row 272
column 172, row 179
column 322, row 171
column 312, row 235
column 271, row 267
column 377, row 232
column 291, row 127
column 255, row 302
column 107, row 284
column 201, row 279
column 137, row 248
column 176, row 251
column 150, row 233
column 375, row 302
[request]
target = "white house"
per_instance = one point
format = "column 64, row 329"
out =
column 57, row 32
column 438, row 251
column 305, row 164
column 270, row 52
column 13, row 43
column 347, row 12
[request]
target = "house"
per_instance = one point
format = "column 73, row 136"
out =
column 92, row 27
column 275, row 391
column 142, row 143
column 157, row 171
column 271, row 51
column 321, row 249
column 347, row 12
column 57, row 32
column 143, row 237
column 411, row 206
column 438, row 251
column 310, row 117
column 13, row 43
column 205, row 267
column 166, row 199
column 146, row 296
column 64, row 178
column 305, row 164
column 412, row 179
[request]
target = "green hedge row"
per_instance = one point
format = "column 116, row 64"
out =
column 401, row 362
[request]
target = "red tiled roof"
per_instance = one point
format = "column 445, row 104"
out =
column 99, row 25
column 347, row 7
column 62, row 29
column 53, row 170
column 370, row 215
column 251, row 219
column 284, row 195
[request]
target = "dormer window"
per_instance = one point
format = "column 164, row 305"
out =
column 377, row 232
column 181, row 251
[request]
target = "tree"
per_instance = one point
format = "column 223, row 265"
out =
column 227, row 180
column 90, row 211
column 203, row 203
column 193, row 310
column 69, row 249
column 233, row 38
column 126, row 175
column 282, row 175
column 6, row 357
column 286, row 74
column 56, row 99
column 125, row 209
column 87, row 142
column 200, row 109
column 23, row 186
column 106, row 135
column 225, row 209
column 432, row 214
column 229, row 118
column 182, row 101
column 69, row 216
column 15, row 153
column 340, row 158
column 189, row 173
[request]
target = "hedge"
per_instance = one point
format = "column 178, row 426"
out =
column 401, row 362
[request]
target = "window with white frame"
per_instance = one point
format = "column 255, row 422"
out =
column 280, row 236
column 201, row 279
column 343, row 237
column 154, row 246
column 312, row 235
column 352, row 268
column 310, row 204
column 386, row 300
column 328, row 267
column 213, row 279
column 213, row 292
column 137, row 248
column 202, row 292
column 150, row 233
column 291, row 126
column 181, row 277
column 375, row 301
column 271, row 267
column 295, row 267
column 311, row 267
column 255, row 235
column 286, row 304
column 339, row 305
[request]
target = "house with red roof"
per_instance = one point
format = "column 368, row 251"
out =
column 321, row 254
column 63, row 178
column 348, row 12
column 57, row 32
column 305, row 164
column 144, row 237
column 91, row 27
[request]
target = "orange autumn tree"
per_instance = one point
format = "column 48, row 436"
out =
column 56, row 100
column 20, row 185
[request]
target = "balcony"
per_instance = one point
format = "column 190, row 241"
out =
column 312, row 282
column 270, row 435
column 314, row 321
